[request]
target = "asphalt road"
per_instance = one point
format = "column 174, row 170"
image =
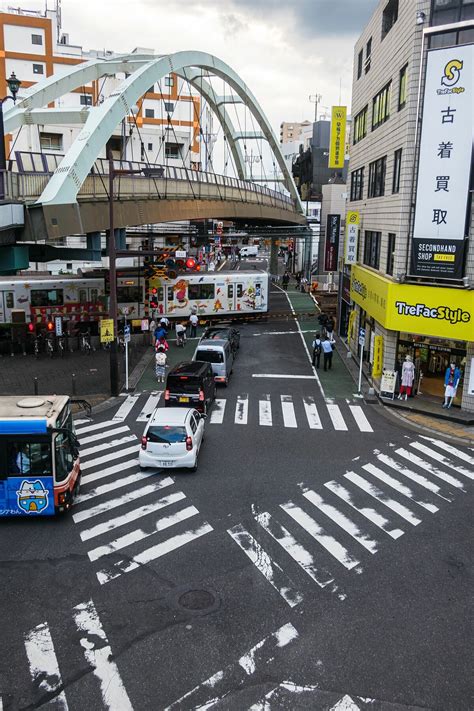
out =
column 318, row 559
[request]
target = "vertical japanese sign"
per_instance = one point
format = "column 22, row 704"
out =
column 378, row 357
column 445, row 164
column 352, row 236
column 331, row 252
column 337, row 142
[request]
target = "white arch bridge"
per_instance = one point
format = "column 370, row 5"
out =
column 73, row 197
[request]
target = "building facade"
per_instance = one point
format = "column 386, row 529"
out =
column 412, row 275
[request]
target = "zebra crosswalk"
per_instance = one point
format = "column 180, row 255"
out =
column 121, row 510
column 347, row 521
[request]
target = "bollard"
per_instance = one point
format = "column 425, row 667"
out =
column 74, row 384
column 35, row 381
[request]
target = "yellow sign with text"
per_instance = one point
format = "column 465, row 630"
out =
column 106, row 330
column 378, row 356
column 337, row 141
column 424, row 310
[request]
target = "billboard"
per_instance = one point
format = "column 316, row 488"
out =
column 444, row 164
column 337, row 141
column 331, row 252
column 352, row 237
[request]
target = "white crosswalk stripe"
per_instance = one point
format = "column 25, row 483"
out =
column 379, row 495
column 336, row 417
column 360, row 418
column 265, row 411
column 44, row 667
column 107, row 445
column 103, row 435
column 126, row 407
column 95, row 426
column 288, row 411
column 149, row 407
column 312, row 415
column 217, row 413
column 111, row 456
column 241, row 410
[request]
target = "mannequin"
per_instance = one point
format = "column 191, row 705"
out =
column 451, row 382
column 408, row 376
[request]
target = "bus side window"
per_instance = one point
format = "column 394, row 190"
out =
column 64, row 456
column 82, row 296
column 94, row 295
column 170, row 293
column 230, row 291
column 33, row 458
column 9, row 300
column 240, row 290
column 161, row 293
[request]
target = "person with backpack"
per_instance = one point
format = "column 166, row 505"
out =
column 160, row 363
column 316, row 350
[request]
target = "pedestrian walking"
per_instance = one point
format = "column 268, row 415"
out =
column 330, row 328
column 327, row 347
column 317, row 345
column 298, row 276
column 193, row 320
column 164, row 323
column 180, row 334
column 160, row 364
column 152, row 329
column 285, row 280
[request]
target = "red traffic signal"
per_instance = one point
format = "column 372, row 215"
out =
column 50, row 326
column 31, row 327
column 191, row 263
column 154, row 290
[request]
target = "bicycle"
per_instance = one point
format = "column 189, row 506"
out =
column 61, row 346
column 37, row 346
column 50, row 346
column 85, row 343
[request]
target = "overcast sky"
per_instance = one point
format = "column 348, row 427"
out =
column 285, row 51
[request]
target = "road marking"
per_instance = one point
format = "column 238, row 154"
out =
column 427, row 467
column 107, row 445
column 417, row 478
column 336, row 417
column 43, row 663
column 103, row 435
column 265, row 411
column 262, row 561
column 312, row 415
column 303, row 557
column 283, row 376
column 217, row 412
column 96, row 426
column 110, row 456
column 370, row 514
column 133, row 515
column 398, row 486
column 282, row 333
column 449, row 448
column 125, row 408
column 149, row 407
column 442, row 459
column 151, row 554
column 241, row 410
column 288, row 411
column 360, row 418
column 104, row 473
column 341, row 520
column 140, row 535
column 120, row 500
column 77, row 422
column 99, row 655
column 333, row 547
column 376, row 493
column 113, row 486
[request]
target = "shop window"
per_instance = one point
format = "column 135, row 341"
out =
column 357, row 184
column 368, row 55
column 149, row 113
column 390, row 253
column 198, row 292
column 381, row 106
column 377, row 178
column 372, row 249
column 360, row 62
column 38, row 69
column 51, row 141
column 397, row 165
column 402, row 87
column 360, row 125
column 86, row 99
column 389, row 17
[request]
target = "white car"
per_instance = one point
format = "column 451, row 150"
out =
column 172, row 439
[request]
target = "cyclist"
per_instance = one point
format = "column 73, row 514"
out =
column 180, row 334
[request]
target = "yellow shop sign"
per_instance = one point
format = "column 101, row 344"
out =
column 425, row 310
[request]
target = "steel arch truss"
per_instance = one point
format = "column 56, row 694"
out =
column 100, row 121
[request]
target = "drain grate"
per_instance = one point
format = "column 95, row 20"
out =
column 197, row 600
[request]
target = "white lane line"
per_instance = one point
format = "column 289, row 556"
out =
column 303, row 557
column 336, row 417
column 124, row 519
column 140, row 535
column 333, row 547
column 99, row 655
column 430, row 468
column 414, row 476
column 149, row 407
column 217, row 412
column 80, row 422
column 125, row 408
column 442, row 460
column 113, row 486
column 241, row 410
column 43, row 664
column 109, row 471
column 402, row 489
column 449, row 448
column 268, row 568
column 103, row 435
column 342, row 520
column 283, row 333
column 110, row 457
column 121, row 500
column 378, row 494
column 96, row 426
column 153, row 553
column 361, row 420
column 370, row 514
column 314, row 421
column 283, row 376
column 107, row 445
column 288, row 411
column 265, row 411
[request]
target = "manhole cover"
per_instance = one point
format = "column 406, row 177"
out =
column 196, row 600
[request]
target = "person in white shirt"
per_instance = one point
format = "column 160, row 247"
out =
column 327, row 347
column 180, row 334
column 160, row 364
column 193, row 320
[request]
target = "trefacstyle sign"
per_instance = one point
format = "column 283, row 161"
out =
column 331, row 252
column 446, row 148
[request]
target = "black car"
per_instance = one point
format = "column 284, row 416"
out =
column 190, row 384
column 223, row 332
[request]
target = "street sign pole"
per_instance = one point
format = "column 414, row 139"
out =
column 126, row 338
column 361, row 356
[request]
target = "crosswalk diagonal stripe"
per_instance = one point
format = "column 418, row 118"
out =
column 336, row 417
column 95, row 426
column 361, row 420
column 449, row 448
column 429, row 468
column 109, row 471
column 370, row 514
column 125, row 408
column 376, row 493
column 217, row 412
column 265, row 411
column 241, row 410
column 288, row 411
column 414, row 476
column 437, row 456
column 43, row 664
column 104, row 435
column 149, row 407
column 312, row 415
column 402, row 489
column 107, row 445
column 110, row 456
column 113, row 486
column 268, row 568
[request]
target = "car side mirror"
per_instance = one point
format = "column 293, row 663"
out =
column 203, row 416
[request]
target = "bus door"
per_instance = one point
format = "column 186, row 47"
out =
column 7, row 302
column 258, row 295
column 26, row 475
column 231, row 297
column 239, row 292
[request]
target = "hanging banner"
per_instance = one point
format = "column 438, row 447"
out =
column 337, row 141
column 352, row 237
column 378, row 356
column 331, row 252
column 445, row 164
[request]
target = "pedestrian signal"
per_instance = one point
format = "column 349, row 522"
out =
column 50, row 326
column 191, row 263
column 31, row 327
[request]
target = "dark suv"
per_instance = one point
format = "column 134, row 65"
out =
column 225, row 332
column 190, row 385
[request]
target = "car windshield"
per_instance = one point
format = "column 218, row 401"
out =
column 183, row 384
column 166, row 434
column 210, row 356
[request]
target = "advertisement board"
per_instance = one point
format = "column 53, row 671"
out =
column 106, row 330
column 331, row 252
column 337, row 141
column 378, row 356
column 26, row 495
column 445, row 164
column 352, row 237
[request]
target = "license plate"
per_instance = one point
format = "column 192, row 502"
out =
column 183, row 399
column 165, row 464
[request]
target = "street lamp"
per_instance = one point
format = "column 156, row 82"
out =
column 13, row 85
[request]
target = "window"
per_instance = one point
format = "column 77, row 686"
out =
column 169, row 107
column 166, row 434
column 390, row 253
column 170, row 294
column 447, row 11
column 149, row 113
column 360, row 125
column 46, row 297
column 37, row 39
column 9, row 300
column 402, row 87
column 94, row 296
column 360, row 62
column 389, row 17
column 150, row 147
column 230, row 291
column 86, row 99
column 82, row 296
column 64, row 458
column 397, row 164
column 357, row 184
column 69, row 266
column 381, row 106
column 372, row 248
column 210, row 356
column 38, row 69
column 29, row 457
column 129, row 294
column 368, row 55
column 51, row 141
column 377, row 178
column 240, row 290
column 169, row 81
column 173, row 150
column 197, row 292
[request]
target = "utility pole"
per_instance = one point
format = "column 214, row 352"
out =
column 114, row 375
column 315, row 99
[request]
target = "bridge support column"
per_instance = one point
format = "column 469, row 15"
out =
column 273, row 259
column 120, row 241
column 94, row 245
column 13, row 258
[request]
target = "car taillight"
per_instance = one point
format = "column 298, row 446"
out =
column 167, row 394
column 144, row 440
column 201, row 396
column 189, row 444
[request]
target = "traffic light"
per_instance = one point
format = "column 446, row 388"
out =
column 50, row 326
column 31, row 327
column 154, row 298
column 190, row 263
